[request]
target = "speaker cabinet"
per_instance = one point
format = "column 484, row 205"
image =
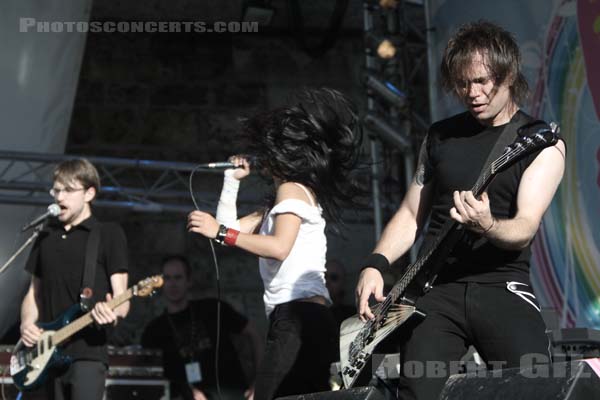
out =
column 358, row 393
column 578, row 380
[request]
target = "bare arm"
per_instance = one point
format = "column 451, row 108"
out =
column 119, row 282
column 399, row 234
column 536, row 190
column 30, row 332
column 101, row 312
column 402, row 230
column 251, row 222
column 227, row 207
column 276, row 246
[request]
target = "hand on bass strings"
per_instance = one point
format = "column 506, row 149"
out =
column 30, row 334
column 370, row 283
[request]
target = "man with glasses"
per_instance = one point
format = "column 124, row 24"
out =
column 57, row 264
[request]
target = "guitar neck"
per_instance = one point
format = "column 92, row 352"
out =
column 69, row 330
column 413, row 269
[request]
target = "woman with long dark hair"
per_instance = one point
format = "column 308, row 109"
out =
column 308, row 148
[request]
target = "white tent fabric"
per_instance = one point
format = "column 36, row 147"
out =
column 39, row 72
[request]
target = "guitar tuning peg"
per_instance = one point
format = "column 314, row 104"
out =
column 554, row 127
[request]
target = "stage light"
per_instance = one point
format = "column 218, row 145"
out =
column 388, row 3
column 388, row 132
column 387, row 91
column 258, row 11
column 380, row 45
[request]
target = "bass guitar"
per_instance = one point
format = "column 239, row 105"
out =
column 29, row 366
column 358, row 339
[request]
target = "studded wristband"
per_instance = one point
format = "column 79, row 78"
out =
column 221, row 235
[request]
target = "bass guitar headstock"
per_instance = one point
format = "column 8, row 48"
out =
column 147, row 287
column 532, row 137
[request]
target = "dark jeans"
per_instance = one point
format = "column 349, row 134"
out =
column 507, row 331
column 301, row 345
column 82, row 380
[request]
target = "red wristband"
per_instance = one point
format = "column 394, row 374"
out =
column 231, row 237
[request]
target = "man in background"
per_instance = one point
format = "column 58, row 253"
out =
column 187, row 334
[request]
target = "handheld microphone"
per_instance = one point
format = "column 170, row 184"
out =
column 226, row 164
column 53, row 211
column 221, row 164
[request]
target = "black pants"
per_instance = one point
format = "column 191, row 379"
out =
column 301, row 345
column 82, row 380
column 501, row 320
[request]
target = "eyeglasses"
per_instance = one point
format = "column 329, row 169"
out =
column 68, row 190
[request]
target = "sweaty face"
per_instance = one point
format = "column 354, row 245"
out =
column 487, row 101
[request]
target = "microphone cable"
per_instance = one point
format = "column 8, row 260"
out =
column 218, row 279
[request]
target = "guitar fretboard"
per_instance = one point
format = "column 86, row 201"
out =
column 483, row 181
column 67, row 331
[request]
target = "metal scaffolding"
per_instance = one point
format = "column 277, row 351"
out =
column 396, row 88
column 146, row 186
column 141, row 185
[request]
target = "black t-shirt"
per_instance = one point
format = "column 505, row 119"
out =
column 58, row 258
column 192, row 332
column 457, row 149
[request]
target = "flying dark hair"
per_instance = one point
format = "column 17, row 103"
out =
column 315, row 142
column 499, row 49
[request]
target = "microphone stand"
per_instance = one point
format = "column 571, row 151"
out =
column 35, row 234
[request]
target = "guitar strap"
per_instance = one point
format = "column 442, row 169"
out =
column 507, row 136
column 519, row 124
column 89, row 271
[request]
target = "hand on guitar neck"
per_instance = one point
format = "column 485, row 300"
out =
column 104, row 315
column 101, row 313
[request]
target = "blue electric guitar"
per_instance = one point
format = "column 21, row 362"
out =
column 30, row 365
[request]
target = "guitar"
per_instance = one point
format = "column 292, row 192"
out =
column 30, row 365
column 358, row 339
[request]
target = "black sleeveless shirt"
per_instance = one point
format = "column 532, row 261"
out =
column 457, row 149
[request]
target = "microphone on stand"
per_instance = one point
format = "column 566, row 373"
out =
column 53, row 211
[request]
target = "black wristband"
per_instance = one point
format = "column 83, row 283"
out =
column 377, row 261
column 221, row 234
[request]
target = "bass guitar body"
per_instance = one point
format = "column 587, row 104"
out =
column 29, row 366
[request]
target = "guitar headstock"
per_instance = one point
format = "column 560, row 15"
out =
column 147, row 286
column 532, row 137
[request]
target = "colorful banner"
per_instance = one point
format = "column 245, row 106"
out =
column 560, row 43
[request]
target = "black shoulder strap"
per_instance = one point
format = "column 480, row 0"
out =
column 507, row 136
column 89, row 271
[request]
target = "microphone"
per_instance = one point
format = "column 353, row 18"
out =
column 226, row 164
column 221, row 164
column 53, row 211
